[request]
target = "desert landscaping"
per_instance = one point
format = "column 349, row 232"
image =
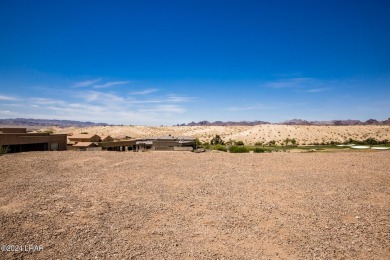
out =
column 183, row 205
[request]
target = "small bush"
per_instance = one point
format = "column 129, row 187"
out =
column 239, row 143
column 84, row 133
column 217, row 140
column 371, row 141
column 219, row 147
column 198, row 142
column 258, row 150
column 3, row 150
column 238, row 149
column 272, row 143
column 230, row 142
column 258, row 143
column 367, row 141
column 293, row 142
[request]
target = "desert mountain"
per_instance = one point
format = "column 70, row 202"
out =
column 292, row 122
column 28, row 122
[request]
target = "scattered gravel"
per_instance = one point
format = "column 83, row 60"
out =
column 173, row 205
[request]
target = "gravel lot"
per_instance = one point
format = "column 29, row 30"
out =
column 172, row 205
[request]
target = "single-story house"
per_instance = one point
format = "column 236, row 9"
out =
column 18, row 140
column 166, row 143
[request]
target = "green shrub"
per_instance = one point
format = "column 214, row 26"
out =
column 219, row 147
column 293, row 142
column 258, row 143
column 239, row 143
column 258, row 150
column 367, row 141
column 3, row 150
column 198, row 142
column 272, row 143
column 217, row 140
column 84, row 133
column 238, row 149
column 371, row 141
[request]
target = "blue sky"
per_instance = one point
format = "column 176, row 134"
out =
column 170, row 62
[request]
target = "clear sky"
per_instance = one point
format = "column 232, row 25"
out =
column 170, row 62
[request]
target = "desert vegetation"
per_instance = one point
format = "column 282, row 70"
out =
column 238, row 149
column 3, row 149
column 232, row 146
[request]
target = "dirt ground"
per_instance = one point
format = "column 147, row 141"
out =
column 172, row 205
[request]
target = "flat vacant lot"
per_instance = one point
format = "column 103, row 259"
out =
column 174, row 205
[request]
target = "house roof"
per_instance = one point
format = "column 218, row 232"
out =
column 166, row 138
column 144, row 142
column 186, row 138
column 180, row 138
column 150, row 138
column 106, row 136
column 120, row 137
column 186, row 142
column 84, row 144
column 82, row 136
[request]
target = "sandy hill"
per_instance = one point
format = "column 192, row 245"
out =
column 247, row 134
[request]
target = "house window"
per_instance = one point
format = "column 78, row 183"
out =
column 54, row 146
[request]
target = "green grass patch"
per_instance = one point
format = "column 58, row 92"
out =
column 238, row 149
column 258, row 150
column 219, row 147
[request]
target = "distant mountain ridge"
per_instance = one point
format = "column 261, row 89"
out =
column 336, row 122
column 292, row 122
column 46, row 122
column 228, row 123
column 66, row 123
